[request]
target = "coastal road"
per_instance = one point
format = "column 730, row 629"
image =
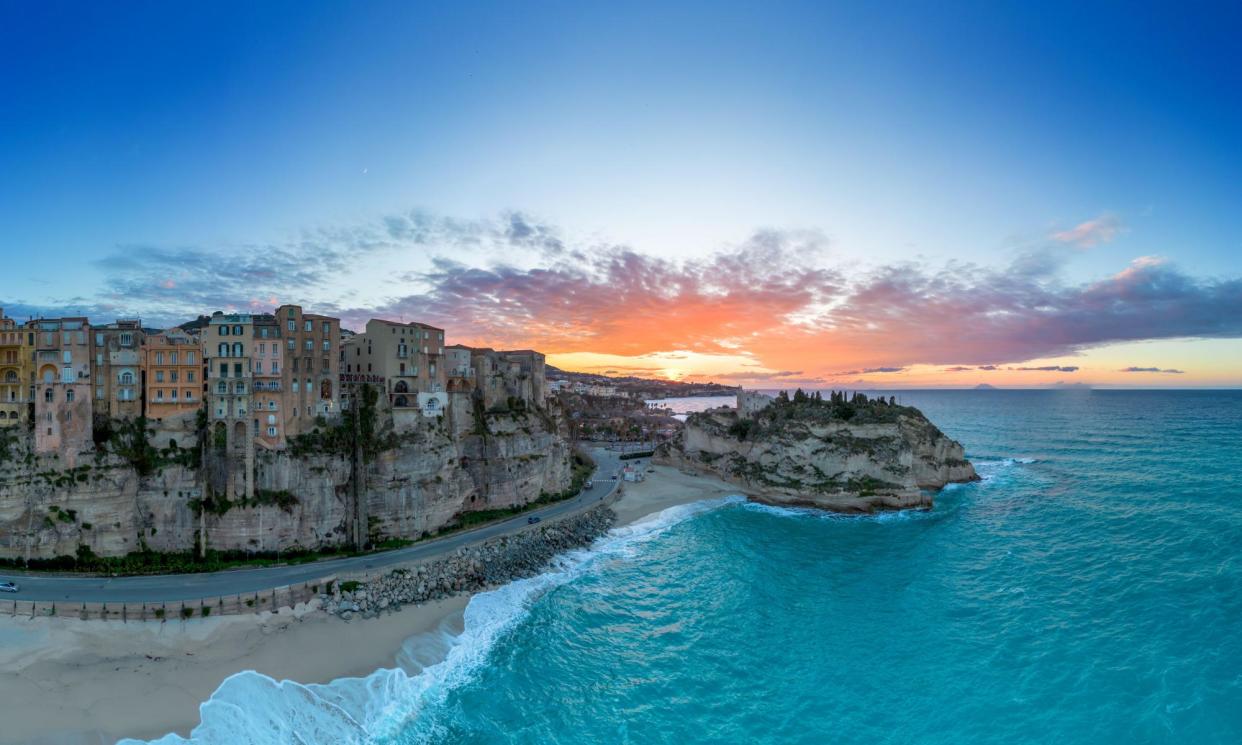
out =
column 174, row 587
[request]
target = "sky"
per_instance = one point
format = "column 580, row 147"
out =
column 770, row 194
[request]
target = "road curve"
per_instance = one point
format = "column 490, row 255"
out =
column 176, row 587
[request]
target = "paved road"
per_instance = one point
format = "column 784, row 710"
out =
column 173, row 587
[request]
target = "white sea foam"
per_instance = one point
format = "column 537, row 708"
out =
column 250, row 708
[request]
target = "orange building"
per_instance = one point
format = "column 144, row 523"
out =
column 171, row 370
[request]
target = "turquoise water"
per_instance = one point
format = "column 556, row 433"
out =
column 1088, row 590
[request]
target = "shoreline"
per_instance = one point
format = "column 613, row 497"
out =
column 77, row 682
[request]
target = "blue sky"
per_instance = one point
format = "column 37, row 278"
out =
column 944, row 135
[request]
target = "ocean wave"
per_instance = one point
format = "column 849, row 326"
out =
column 813, row 513
column 250, row 708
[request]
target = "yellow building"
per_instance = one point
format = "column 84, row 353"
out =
column 15, row 375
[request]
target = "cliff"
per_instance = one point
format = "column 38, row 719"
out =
column 414, row 481
column 853, row 456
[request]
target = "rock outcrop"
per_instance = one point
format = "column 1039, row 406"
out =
column 853, row 456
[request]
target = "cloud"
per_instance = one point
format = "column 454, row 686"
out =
column 1048, row 368
column 777, row 297
column 1102, row 229
column 1169, row 370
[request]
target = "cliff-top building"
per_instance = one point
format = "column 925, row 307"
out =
column 267, row 370
column 310, row 375
column 403, row 359
column 226, row 348
column 172, row 370
column 116, row 371
column 16, row 376
column 62, row 395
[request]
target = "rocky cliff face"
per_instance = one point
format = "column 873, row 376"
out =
column 856, row 456
column 424, row 477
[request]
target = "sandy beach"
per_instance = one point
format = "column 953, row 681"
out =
column 72, row 681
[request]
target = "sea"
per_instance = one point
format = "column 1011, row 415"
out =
column 1087, row 590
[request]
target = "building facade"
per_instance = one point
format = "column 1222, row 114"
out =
column 172, row 370
column 225, row 345
column 16, row 377
column 63, row 350
column 311, row 368
column 117, row 369
column 267, row 368
column 403, row 359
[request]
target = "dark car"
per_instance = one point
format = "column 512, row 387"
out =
column 8, row 587
column 533, row 520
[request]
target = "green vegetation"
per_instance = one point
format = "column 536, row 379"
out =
column 187, row 612
column 350, row 585
column 220, row 504
column 582, row 467
column 636, row 454
column 339, row 439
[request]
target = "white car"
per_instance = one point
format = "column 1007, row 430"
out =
column 8, row 587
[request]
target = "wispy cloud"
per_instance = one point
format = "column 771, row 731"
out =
column 1168, row 370
column 1102, row 229
column 777, row 298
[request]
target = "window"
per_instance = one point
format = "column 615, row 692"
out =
column 174, row 394
column 237, row 370
column 222, row 387
column 189, row 395
column 99, row 359
column 271, row 418
column 224, row 331
column 189, row 358
column 69, row 395
column 99, row 392
column 159, row 395
column 275, row 367
column 237, row 349
column 237, row 331
column 309, row 326
column 290, row 343
column 222, row 350
column 327, row 327
column 68, row 356
column 127, row 340
column 262, row 350
column 189, row 376
column 310, row 344
column 326, row 345
column 99, row 342
column 159, row 376
column 240, row 387
column 271, row 431
column 172, row 357
column 291, row 325
column 263, row 332
column 271, row 405
column 172, row 376
column 127, row 377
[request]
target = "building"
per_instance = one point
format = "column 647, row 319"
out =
column 16, row 375
column 172, row 374
column 311, row 373
column 62, row 389
column 459, row 369
column 226, row 349
column 117, row 369
column 267, row 369
column 403, row 359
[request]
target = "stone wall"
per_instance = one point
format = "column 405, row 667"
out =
column 471, row 568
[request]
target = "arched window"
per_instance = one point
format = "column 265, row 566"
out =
column 325, row 390
column 127, row 378
column 47, row 395
column 402, row 387
column 223, row 350
column 400, row 402
column 237, row 349
column 10, row 377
